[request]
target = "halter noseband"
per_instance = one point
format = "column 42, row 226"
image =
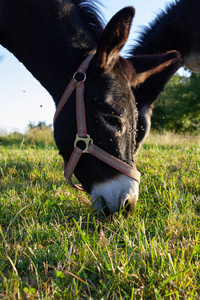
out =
column 82, row 135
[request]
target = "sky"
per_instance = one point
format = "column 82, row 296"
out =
column 24, row 100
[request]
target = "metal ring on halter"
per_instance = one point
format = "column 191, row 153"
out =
column 84, row 74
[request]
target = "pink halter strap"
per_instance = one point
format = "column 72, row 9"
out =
column 82, row 135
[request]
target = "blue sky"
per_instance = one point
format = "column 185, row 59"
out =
column 24, row 100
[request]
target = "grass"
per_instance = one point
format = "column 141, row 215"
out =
column 54, row 245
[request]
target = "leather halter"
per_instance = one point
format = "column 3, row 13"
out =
column 82, row 135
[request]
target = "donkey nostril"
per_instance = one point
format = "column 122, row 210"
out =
column 127, row 206
column 105, row 210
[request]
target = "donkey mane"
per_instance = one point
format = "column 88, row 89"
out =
column 86, row 19
column 90, row 15
column 149, row 30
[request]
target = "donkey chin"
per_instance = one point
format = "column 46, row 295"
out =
column 118, row 193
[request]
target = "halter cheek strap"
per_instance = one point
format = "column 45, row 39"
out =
column 82, row 135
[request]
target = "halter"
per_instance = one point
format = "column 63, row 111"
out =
column 82, row 135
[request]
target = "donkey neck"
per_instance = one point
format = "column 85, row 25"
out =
column 176, row 28
column 49, row 37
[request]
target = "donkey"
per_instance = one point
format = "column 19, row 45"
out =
column 177, row 27
column 56, row 38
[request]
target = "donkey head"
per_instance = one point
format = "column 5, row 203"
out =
column 111, row 115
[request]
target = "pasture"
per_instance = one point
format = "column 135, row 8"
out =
column 54, row 245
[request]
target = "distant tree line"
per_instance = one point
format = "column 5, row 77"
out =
column 41, row 125
column 178, row 107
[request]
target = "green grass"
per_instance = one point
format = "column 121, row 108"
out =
column 54, row 245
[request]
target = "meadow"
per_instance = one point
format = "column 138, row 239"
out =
column 54, row 245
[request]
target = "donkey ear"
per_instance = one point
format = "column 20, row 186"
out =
column 113, row 38
column 148, row 65
column 147, row 92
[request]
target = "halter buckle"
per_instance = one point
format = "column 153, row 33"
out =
column 87, row 140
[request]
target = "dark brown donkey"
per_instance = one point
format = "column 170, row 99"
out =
column 52, row 38
column 178, row 28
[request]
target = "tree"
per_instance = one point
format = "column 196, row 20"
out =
column 41, row 125
column 178, row 107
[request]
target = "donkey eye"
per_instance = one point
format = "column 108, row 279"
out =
column 113, row 122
